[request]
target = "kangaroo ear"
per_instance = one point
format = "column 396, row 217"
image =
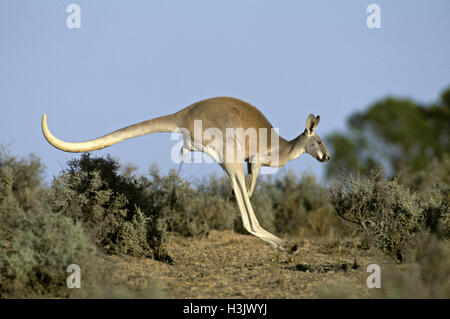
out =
column 311, row 123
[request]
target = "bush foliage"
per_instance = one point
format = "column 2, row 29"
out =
column 287, row 205
column 299, row 206
column 114, row 209
column 426, row 276
column 189, row 210
column 388, row 214
column 36, row 244
column 92, row 208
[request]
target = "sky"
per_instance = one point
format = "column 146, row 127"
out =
column 134, row 60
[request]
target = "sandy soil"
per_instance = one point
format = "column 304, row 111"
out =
column 231, row 265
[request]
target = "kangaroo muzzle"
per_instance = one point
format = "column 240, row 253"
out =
column 325, row 157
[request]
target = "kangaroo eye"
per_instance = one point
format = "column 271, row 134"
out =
column 319, row 142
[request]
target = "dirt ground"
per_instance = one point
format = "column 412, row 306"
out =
column 231, row 265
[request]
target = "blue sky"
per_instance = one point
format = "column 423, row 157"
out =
column 135, row 60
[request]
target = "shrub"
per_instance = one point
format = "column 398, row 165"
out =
column 113, row 208
column 223, row 209
column 434, row 203
column 36, row 244
column 287, row 205
column 189, row 210
column 27, row 176
column 220, row 208
column 387, row 213
column 296, row 206
column 435, row 175
column 433, row 189
column 427, row 276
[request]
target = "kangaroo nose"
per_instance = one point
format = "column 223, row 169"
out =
column 326, row 157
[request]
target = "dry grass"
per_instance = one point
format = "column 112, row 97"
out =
column 231, row 265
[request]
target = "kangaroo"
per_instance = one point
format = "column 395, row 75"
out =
column 212, row 117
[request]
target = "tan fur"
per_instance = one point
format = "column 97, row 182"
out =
column 220, row 113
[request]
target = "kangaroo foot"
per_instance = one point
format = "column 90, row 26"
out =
column 290, row 248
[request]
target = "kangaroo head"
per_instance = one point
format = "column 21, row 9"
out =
column 314, row 145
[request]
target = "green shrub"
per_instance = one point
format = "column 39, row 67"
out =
column 435, row 175
column 27, row 174
column 108, row 202
column 434, row 203
column 36, row 244
column 286, row 205
column 426, row 276
column 388, row 214
column 433, row 190
column 220, row 208
column 189, row 210
column 296, row 206
column 114, row 209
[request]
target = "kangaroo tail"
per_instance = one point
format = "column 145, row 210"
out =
column 160, row 124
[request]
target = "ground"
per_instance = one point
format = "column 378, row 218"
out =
column 230, row 265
